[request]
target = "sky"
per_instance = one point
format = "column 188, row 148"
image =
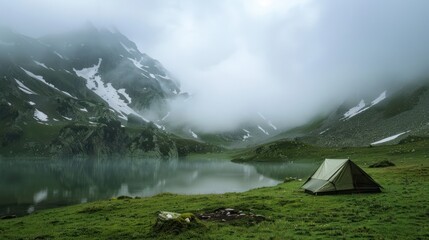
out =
column 290, row 60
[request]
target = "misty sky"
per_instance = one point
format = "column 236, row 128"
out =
column 288, row 59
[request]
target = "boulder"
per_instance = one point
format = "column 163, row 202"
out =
column 382, row 164
column 175, row 223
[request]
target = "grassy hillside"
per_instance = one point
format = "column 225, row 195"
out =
column 400, row 212
column 285, row 150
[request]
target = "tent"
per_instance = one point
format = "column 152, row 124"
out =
column 340, row 176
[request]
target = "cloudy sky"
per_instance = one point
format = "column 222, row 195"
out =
column 288, row 59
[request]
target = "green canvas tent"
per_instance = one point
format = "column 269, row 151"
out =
column 340, row 176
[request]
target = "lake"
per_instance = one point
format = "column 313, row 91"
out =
column 27, row 185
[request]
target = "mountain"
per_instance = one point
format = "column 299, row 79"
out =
column 361, row 126
column 246, row 134
column 385, row 118
column 62, row 92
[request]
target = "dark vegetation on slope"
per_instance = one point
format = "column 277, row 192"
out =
column 105, row 138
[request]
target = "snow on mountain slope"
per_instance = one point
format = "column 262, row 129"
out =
column 322, row 132
column 247, row 134
column 354, row 110
column 123, row 93
column 24, row 88
column 41, row 79
column 165, row 117
column 263, row 130
column 193, row 134
column 40, row 64
column 379, row 98
column 389, row 138
column 361, row 107
column 106, row 91
column 59, row 55
column 138, row 64
column 267, row 121
column 40, row 116
column 130, row 50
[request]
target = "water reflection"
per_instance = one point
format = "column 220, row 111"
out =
column 29, row 185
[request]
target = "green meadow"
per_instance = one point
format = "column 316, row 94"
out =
column 401, row 211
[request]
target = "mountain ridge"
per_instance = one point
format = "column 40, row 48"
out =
column 83, row 87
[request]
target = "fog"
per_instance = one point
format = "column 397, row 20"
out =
column 290, row 60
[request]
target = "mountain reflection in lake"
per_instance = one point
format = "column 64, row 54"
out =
column 29, row 185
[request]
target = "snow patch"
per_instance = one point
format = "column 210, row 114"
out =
column 31, row 103
column 322, row 132
column 40, row 64
column 24, row 88
column 137, row 64
column 193, row 134
column 262, row 116
column 263, row 130
column 83, row 109
column 59, row 55
column 389, row 138
column 266, row 120
column 272, row 125
column 68, row 94
column 130, row 50
column 354, row 110
column 40, row 78
column 40, row 116
column 67, row 118
column 152, row 76
column 164, row 77
column 8, row 103
column 361, row 107
column 123, row 93
column 106, row 91
column 379, row 98
column 247, row 135
column 145, row 77
column 165, row 117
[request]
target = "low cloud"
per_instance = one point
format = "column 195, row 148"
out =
column 290, row 60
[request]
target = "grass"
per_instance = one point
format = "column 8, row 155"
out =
column 408, row 149
column 401, row 211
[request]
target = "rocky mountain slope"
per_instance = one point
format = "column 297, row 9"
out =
column 385, row 118
column 81, row 88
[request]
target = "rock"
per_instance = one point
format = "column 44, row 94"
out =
column 175, row 223
column 230, row 215
column 382, row 164
column 8, row 217
column 289, row 179
column 124, row 197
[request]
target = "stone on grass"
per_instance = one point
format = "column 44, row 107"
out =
column 175, row 223
column 382, row 164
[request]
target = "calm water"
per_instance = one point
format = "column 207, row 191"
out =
column 29, row 185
